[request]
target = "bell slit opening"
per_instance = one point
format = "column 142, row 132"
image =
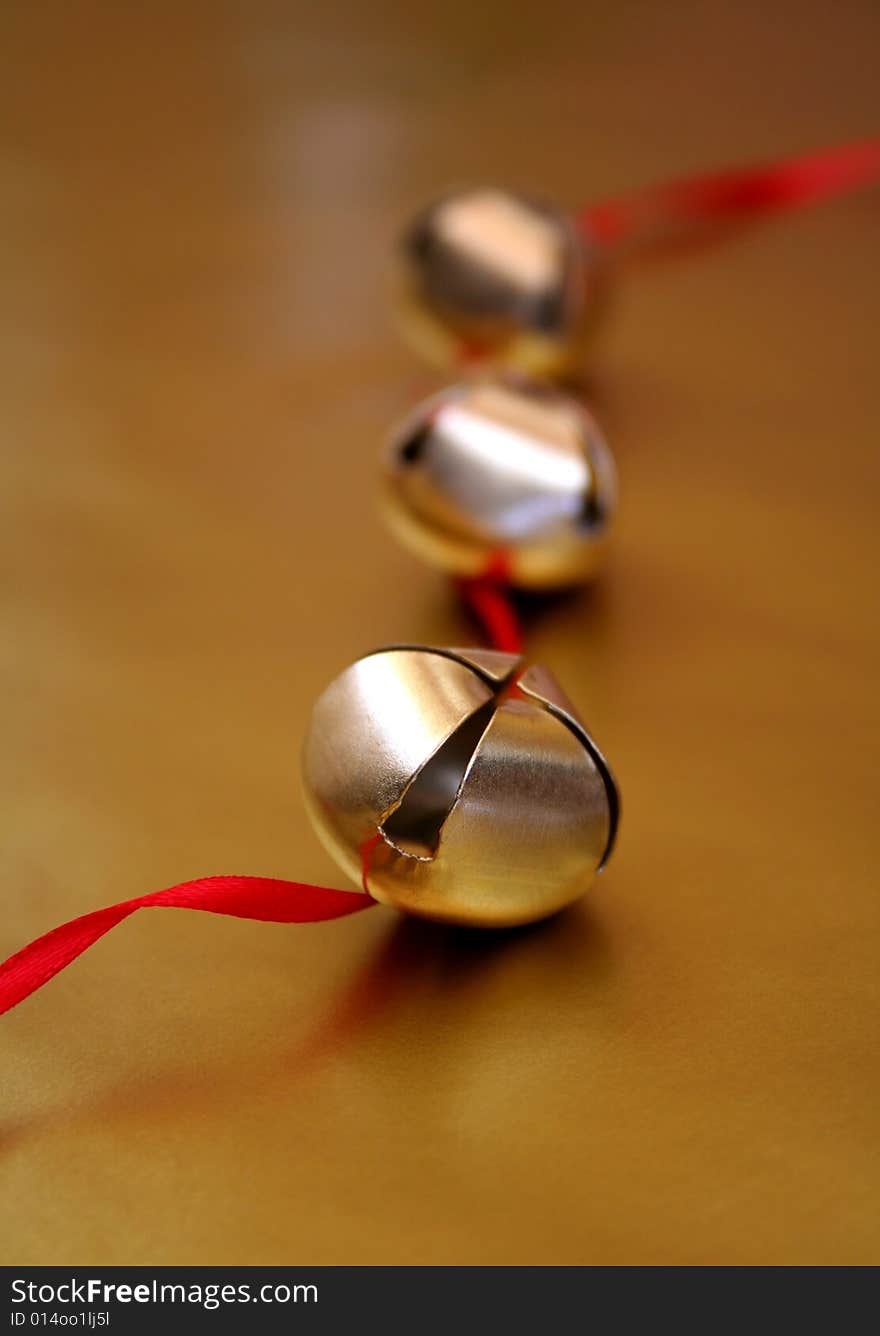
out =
column 415, row 824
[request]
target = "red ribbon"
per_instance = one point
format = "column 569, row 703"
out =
column 490, row 600
column 739, row 193
column 264, row 898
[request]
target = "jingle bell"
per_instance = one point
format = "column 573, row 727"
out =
column 498, row 467
column 491, row 277
column 458, row 785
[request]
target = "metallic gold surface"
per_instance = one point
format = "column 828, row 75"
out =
column 490, row 809
column 197, row 364
column 493, row 466
column 492, row 276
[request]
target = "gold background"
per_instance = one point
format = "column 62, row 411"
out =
column 197, row 369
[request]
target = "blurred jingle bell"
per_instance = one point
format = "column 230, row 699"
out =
column 490, row 277
column 458, row 785
column 499, row 468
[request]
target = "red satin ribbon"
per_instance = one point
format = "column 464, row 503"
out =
column 738, row 193
column 264, row 898
column 490, row 600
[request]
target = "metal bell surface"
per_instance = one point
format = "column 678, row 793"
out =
column 496, row 278
column 458, row 785
column 496, row 466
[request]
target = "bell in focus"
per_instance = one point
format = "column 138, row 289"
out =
column 458, row 785
column 497, row 467
column 491, row 277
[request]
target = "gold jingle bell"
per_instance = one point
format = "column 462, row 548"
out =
column 495, row 278
column 458, row 785
column 500, row 467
